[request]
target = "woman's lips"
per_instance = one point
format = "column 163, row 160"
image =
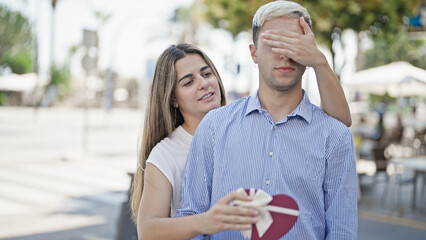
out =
column 206, row 96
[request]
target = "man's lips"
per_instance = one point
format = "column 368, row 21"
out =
column 205, row 96
column 285, row 69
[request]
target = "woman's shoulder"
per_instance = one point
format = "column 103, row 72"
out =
column 178, row 139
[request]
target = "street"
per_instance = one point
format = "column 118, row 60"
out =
column 58, row 182
column 51, row 185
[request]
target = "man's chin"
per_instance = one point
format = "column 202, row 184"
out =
column 284, row 87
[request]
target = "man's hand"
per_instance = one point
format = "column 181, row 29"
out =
column 300, row 48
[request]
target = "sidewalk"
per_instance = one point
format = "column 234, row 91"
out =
column 385, row 212
column 51, row 189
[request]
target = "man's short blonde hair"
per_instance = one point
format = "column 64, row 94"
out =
column 275, row 10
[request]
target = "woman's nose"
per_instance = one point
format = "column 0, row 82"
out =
column 203, row 83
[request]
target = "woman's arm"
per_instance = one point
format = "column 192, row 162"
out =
column 153, row 221
column 333, row 100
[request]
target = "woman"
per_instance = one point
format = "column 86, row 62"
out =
column 186, row 85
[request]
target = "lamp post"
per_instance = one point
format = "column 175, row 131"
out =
column 52, row 32
column 109, row 90
column 50, row 90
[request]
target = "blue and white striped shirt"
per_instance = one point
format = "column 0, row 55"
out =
column 308, row 155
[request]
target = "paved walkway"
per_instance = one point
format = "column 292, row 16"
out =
column 385, row 211
column 52, row 187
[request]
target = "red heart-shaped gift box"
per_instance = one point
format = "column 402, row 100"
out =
column 282, row 223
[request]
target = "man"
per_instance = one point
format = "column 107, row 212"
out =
column 276, row 140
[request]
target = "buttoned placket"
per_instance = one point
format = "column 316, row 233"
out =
column 268, row 178
column 271, row 158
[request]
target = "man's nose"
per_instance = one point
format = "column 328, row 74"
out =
column 284, row 57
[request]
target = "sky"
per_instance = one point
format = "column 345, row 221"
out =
column 122, row 39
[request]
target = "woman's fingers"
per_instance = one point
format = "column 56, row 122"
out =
column 280, row 36
column 234, row 221
column 234, row 226
column 277, row 44
column 239, row 211
column 305, row 26
column 225, row 216
column 234, row 196
column 238, row 219
column 301, row 48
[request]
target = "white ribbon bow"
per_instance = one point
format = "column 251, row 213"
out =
column 260, row 201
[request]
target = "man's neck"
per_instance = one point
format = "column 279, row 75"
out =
column 279, row 103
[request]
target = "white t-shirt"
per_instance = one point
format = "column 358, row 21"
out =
column 169, row 156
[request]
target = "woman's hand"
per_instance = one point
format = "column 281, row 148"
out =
column 223, row 216
column 300, row 48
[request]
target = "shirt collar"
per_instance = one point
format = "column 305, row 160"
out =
column 253, row 103
column 304, row 109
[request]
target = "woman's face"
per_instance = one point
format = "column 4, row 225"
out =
column 197, row 90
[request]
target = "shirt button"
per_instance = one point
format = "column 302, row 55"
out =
column 275, row 126
column 267, row 182
column 271, row 153
column 260, row 111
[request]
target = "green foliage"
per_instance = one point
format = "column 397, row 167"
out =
column 3, row 98
column 183, row 14
column 328, row 15
column 60, row 75
column 375, row 99
column 20, row 63
column 333, row 16
column 383, row 19
column 102, row 17
column 73, row 49
column 232, row 15
column 61, row 79
column 15, row 32
column 391, row 47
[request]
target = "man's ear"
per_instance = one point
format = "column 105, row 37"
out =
column 253, row 52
